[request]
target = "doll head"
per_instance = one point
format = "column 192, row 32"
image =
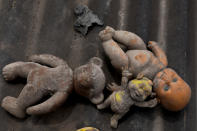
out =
column 173, row 92
column 140, row 89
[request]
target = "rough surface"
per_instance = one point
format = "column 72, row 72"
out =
column 89, row 80
column 41, row 81
column 141, row 61
column 85, row 19
column 40, row 26
column 135, row 93
column 137, row 57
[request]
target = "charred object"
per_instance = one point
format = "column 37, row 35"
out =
column 123, row 97
column 85, row 19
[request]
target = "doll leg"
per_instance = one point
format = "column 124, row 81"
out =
column 115, row 118
column 129, row 39
column 117, row 56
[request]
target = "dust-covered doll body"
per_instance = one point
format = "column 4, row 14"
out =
column 150, row 63
column 137, row 57
column 135, row 93
column 41, row 81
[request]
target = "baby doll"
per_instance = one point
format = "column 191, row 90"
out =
column 122, row 98
column 171, row 89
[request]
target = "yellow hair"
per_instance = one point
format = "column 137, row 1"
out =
column 144, row 81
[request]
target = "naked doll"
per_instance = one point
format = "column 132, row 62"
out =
column 169, row 86
column 122, row 98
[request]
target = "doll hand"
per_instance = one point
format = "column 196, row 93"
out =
column 126, row 72
column 113, row 87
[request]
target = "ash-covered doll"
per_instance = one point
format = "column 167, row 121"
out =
column 127, row 95
column 174, row 93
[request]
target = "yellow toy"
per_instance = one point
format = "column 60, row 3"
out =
column 88, row 129
column 134, row 93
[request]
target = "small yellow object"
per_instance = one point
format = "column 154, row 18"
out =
column 88, row 129
column 119, row 95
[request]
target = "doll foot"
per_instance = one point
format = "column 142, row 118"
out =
column 10, row 104
column 114, row 123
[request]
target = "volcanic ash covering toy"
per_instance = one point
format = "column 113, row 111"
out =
column 55, row 80
column 122, row 98
column 89, row 80
column 171, row 89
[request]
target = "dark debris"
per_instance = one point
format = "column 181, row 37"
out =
column 85, row 19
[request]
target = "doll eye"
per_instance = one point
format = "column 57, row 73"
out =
column 166, row 87
column 174, row 79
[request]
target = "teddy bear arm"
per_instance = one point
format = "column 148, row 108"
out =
column 47, row 59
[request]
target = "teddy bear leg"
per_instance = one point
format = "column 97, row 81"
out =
column 28, row 96
column 51, row 104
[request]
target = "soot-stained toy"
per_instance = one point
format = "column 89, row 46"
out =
column 86, row 18
column 56, row 80
column 89, row 80
column 122, row 98
column 151, row 63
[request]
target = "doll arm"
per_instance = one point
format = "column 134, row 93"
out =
column 151, row 103
column 159, row 53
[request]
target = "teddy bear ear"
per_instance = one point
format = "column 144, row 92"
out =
column 96, row 61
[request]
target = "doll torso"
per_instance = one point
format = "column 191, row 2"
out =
column 120, row 101
column 143, row 61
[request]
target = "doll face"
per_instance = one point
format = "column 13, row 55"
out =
column 171, row 89
column 140, row 89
